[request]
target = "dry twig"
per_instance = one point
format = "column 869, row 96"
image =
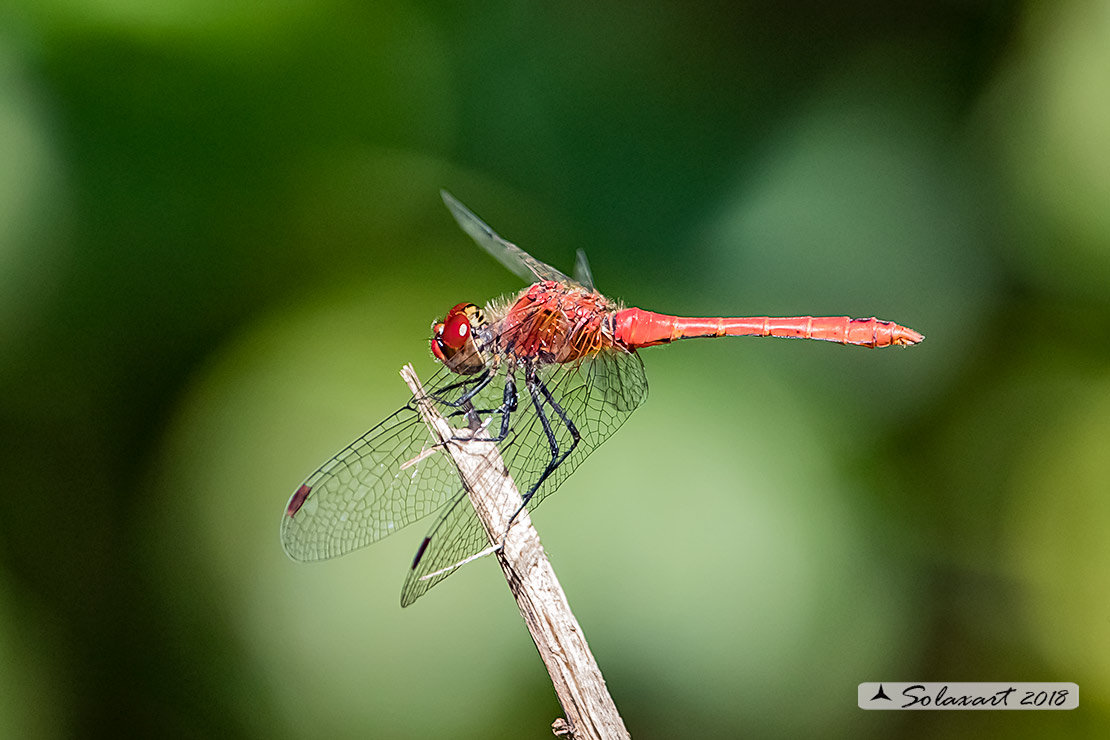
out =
column 590, row 711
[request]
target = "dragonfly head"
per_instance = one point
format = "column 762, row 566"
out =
column 453, row 339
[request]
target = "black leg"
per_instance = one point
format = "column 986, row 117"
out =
column 561, row 414
column 478, row 383
column 462, row 405
column 537, row 387
column 506, row 409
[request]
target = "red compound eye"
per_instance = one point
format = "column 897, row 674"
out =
column 437, row 341
column 456, row 328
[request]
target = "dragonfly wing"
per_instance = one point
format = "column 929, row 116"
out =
column 366, row 492
column 582, row 274
column 596, row 395
column 456, row 535
column 392, row 475
column 519, row 262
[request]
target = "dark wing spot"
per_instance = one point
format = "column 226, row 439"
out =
column 297, row 501
column 420, row 552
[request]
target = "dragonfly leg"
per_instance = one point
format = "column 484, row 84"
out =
column 537, row 388
column 462, row 405
column 478, row 383
column 505, row 410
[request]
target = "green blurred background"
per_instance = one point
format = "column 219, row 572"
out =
column 221, row 236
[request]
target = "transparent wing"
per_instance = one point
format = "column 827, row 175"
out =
column 392, row 475
column 582, row 272
column 519, row 262
column 597, row 395
column 363, row 493
column 456, row 535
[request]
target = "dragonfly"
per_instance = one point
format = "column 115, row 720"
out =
column 548, row 373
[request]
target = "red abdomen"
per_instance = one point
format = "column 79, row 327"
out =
column 635, row 327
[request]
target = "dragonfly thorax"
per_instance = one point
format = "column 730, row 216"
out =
column 453, row 339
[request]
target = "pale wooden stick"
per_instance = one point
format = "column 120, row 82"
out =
column 590, row 711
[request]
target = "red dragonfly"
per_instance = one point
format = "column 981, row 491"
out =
column 573, row 352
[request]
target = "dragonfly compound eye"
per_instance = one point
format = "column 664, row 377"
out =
column 437, row 342
column 454, row 334
column 456, row 330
